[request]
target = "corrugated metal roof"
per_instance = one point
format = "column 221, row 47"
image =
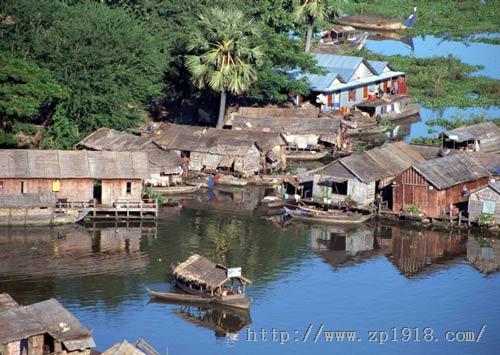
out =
column 495, row 186
column 451, row 170
column 343, row 68
column 478, row 131
column 378, row 66
column 62, row 164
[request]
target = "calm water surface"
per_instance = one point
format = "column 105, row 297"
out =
column 472, row 53
column 373, row 277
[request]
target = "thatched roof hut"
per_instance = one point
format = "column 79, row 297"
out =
column 45, row 317
column 202, row 271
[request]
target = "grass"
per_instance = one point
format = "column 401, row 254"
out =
column 440, row 82
column 457, row 18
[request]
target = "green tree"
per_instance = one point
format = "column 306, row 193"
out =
column 110, row 61
column 25, row 90
column 226, row 60
column 310, row 11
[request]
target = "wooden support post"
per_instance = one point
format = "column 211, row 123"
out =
column 128, row 210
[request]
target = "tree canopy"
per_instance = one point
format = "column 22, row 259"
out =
column 117, row 61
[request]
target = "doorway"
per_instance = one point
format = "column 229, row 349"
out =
column 98, row 191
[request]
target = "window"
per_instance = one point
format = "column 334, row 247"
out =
column 1, row 186
column 22, row 187
column 352, row 95
column 365, row 92
column 129, row 187
column 339, row 188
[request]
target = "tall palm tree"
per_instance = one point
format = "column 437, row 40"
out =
column 224, row 58
column 309, row 11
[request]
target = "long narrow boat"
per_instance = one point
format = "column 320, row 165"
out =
column 378, row 23
column 177, row 190
column 390, row 109
column 306, row 155
column 207, row 282
column 329, row 217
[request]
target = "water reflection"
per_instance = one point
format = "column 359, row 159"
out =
column 420, row 252
column 484, row 254
column 344, row 246
column 101, row 273
column 224, row 321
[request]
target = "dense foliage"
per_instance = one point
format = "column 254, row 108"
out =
column 71, row 66
column 117, row 60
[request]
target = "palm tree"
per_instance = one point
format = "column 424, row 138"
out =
column 225, row 59
column 309, row 11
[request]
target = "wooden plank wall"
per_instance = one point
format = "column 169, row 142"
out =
column 71, row 189
column 113, row 190
column 412, row 188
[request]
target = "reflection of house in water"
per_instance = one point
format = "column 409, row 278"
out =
column 484, row 254
column 414, row 252
column 223, row 321
column 235, row 200
column 344, row 246
column 70, row 251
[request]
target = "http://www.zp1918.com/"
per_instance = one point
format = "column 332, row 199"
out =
column 320, row 333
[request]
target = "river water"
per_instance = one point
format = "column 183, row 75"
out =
column 371, row 278
column 469, row 52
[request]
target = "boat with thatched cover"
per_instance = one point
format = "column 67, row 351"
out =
column 378, row 23
column 313, row 215
column 207, row 282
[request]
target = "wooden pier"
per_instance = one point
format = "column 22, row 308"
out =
column 120, row 209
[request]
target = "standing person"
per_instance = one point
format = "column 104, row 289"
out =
column 185, row 166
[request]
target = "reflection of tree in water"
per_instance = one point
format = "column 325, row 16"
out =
column 224, row 237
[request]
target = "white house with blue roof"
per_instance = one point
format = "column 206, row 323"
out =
column 349, row 80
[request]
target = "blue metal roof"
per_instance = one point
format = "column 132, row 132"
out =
column 343, row 68
column 378, row 65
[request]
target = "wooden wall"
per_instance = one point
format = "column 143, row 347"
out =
column 113, row 190
column 71, row 189
column 413, row 189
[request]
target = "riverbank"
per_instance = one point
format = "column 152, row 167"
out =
column 439, row 17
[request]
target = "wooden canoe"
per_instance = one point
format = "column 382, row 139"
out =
column 236, row 302
column 328, row 217
column 306, row 155
column 377, row 23
column 177, row 190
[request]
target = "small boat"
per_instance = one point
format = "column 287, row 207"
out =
column 177, row 190
column 36, row 209
column 306, row 154
column 265, row 180
column 277, row 202
column 391, row 108
column 378, row 23
column 231, row 180
column 336, row 37
column 204, row 281
column 329, row 217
